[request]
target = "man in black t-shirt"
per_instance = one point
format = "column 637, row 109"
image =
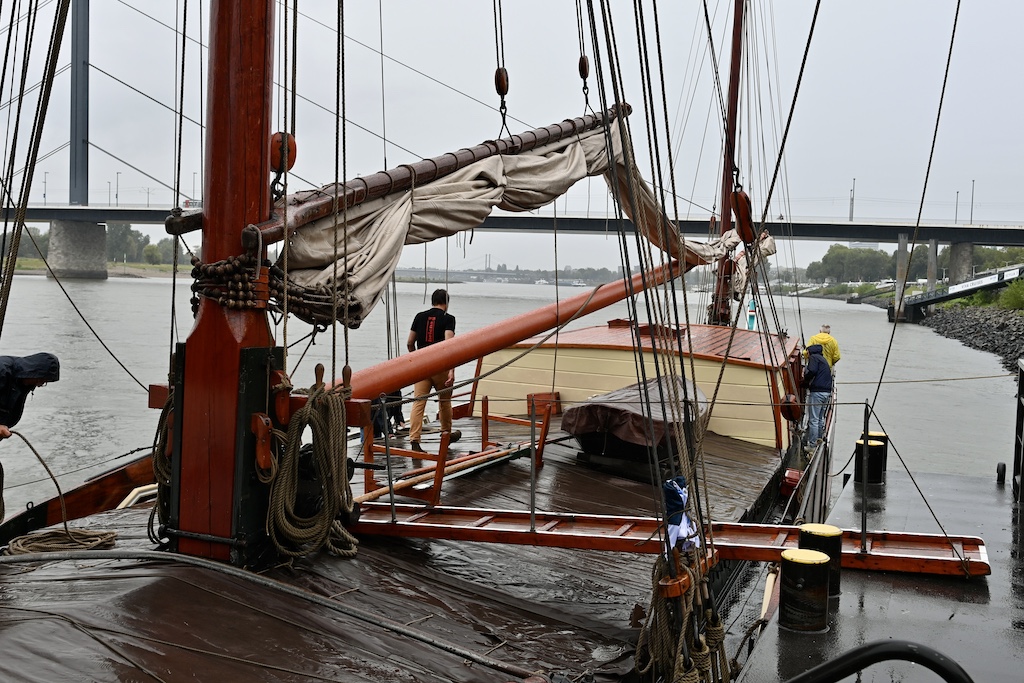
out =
column 430, row 327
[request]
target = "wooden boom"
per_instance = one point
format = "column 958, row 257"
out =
column 408, row 369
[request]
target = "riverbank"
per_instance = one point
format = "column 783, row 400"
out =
column 986, row 328
column 117, row 271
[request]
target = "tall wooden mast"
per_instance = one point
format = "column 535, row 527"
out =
column 719, row 313
column 210, row 397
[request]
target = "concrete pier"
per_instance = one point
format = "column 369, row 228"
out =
column 78, row 250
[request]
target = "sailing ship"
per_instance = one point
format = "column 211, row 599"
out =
column 258, row 573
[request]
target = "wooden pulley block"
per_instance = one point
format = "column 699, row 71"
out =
column 501, row 81
column 584, row 67
column 744, row 220
column 282, row 149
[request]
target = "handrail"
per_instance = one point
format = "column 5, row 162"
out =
column 849, row 663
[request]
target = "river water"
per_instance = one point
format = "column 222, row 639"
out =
column 946, row 408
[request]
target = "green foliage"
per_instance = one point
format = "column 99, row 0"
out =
column 1013, row 296
column 151, row 254
column 866, row 288
column 26, row 246
column 124, row 243
column 843, row 264
column 166, row 247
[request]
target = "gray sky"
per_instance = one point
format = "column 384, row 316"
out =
column 866, row 110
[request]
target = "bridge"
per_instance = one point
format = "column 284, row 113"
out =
column 915, row 307
column 78, row 231
column 82, row 227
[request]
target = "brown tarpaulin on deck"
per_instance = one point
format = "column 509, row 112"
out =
column 624, row 412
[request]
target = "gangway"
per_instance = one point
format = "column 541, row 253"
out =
column 883, row 551
column 914, row 307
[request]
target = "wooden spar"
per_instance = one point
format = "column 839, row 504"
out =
column 720, row 312
column 398, row 179
column 408, row 369
column 237, row 194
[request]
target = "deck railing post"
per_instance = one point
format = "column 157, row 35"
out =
column 387, row 458
column 533, row 464
column 1018, row 441
column 864, row 482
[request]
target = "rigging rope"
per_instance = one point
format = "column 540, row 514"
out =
column 898, row 303
column 55, row 539
column 294, row 532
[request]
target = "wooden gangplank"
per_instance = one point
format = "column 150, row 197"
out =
column 886, row 551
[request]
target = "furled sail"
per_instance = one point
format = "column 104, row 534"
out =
column 354, row 252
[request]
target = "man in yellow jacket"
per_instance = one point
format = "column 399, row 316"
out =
column 829, row 345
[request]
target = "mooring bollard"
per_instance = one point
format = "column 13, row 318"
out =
column 876, row 462
column 829, row 540
column 803, row 594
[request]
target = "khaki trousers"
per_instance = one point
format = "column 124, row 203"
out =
column 419, row 406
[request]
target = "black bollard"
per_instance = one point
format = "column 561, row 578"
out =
column 884, row 438
column 829, row 540
column 876, row 462
column 803, row 595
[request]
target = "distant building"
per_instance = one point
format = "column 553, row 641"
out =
column 864, row 245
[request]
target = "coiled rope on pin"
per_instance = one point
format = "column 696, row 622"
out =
column 161, row 456
column 296, row 534
column 56, row 540
column 661, row 646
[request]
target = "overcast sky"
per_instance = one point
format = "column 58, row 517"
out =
column 866, row 110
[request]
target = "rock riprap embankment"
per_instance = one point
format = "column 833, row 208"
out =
column 995, row 330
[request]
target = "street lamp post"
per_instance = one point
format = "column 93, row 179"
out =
column 147, row 196
column 193, row 184
column 956, row 207
column 45, row 175
column 117, row 189
column 972, row 202
column 108, row 193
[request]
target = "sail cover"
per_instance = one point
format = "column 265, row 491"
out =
column 355, row 252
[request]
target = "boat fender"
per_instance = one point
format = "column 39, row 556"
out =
column 743, row 212
column 282, row 151
column 790, row 480
column 791, row 408
column 501, row 81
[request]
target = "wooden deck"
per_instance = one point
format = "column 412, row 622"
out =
column 735, row 476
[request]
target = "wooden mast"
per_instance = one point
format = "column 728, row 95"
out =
column 237, row 194
column 720, row 311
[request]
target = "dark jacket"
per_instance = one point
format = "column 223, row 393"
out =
column 13, row 392
column 817, row 374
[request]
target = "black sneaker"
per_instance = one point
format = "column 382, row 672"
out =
column 415, row 446
column 454, row 436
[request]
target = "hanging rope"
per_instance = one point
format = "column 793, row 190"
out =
column 55, row 540
column 500, row 74
column 53, row 53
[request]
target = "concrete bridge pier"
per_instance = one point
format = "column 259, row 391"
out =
column 78, row 249
column 961, row 262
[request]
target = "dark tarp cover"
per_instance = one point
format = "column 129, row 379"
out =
column 624, row 412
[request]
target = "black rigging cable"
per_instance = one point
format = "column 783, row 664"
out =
column 898, row 302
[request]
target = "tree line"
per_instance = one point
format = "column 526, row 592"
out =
column 844, row 264
column 124, row 244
